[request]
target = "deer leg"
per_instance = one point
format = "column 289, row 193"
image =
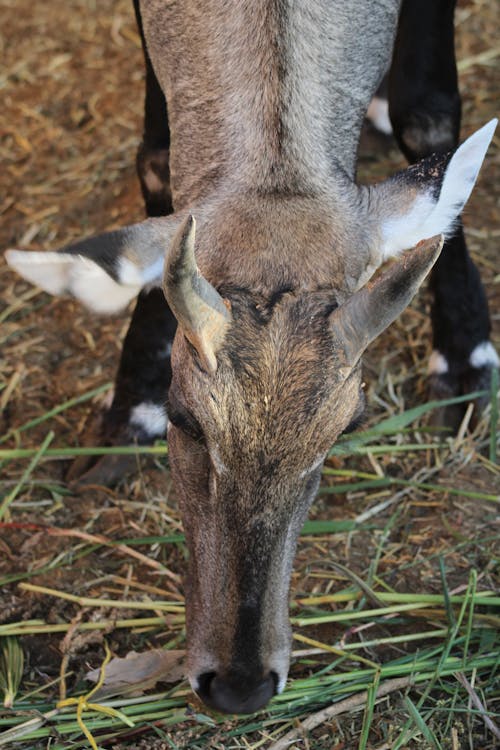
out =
column 137, row 412
column 425, row 108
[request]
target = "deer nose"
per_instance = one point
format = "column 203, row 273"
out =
column 235, row 695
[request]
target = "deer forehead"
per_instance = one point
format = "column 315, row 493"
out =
column 277, row 392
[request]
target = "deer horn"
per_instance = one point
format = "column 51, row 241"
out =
column 200, row 310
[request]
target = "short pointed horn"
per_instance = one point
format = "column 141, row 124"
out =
column 200, row 310
column 378, row 303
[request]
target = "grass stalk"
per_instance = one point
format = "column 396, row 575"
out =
column 4, row 506
column 58, row 453
column 396, row 424
column 30, row 628
column 57, row 410
column 85, row 601
column 397, row 481
column 421, row 725
column 11, row 668
column 328, row 690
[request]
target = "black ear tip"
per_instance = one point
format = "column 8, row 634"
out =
column 186, row 234
column 189, row 224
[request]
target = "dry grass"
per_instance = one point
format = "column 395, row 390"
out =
column 406, row 515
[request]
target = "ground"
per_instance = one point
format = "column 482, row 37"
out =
column 70, row 125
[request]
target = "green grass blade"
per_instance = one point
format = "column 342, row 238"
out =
column 450, row 615
column 11, row 668
column 12, row 454
column 396, row 424
column 57, row 410
column 421, row 725
column 4, row 506
column 369, row 709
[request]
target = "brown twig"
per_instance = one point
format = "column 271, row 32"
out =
column 477, row 703
column 349, row 704
column 96, row 539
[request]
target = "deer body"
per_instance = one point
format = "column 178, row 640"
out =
column 258, row 95
column 266, row 102
column 266, row 96
column 265, row 106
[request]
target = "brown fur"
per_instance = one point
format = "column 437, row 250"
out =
column 275, row 404
column 265, row 104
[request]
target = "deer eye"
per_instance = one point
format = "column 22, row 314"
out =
column 184, row 420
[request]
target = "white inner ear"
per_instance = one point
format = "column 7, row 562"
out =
column 130, row 274
column 59, row 273
column 89, row 283
column 459, row 179
column 428, row 217
column 49, row 271
column 406, row 230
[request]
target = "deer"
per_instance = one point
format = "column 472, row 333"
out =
column 266, row 271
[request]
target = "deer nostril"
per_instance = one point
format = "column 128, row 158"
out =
column 234, row 694
column 276, row 681
column 203, row 683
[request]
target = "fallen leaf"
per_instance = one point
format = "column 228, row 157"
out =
column 138, row 672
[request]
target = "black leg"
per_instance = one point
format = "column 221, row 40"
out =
column 153, row 154
column 462, row 356
column 137, row 413
column 425, row 108
column 424, row 101
column 144, row 373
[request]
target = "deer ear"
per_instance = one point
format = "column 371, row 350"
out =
column 427, row 198
column 104, row 272
column 369, row 311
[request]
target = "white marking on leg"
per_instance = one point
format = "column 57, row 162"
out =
column 378, row 114
column 484, row 355
column 438, row 364
column 150, row 417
